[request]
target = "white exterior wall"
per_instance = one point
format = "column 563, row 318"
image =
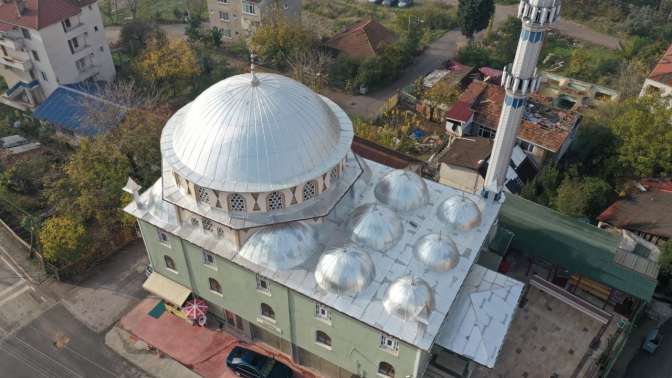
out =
column 665, row 90
column 460, row 178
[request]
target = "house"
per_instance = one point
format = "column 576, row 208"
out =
column 47, row 43
column 13, row 146
column 76, row 112
column 660, row 79
column 646, row 212
column 546, row 131
column 464, row 163
column 572, row 94
column 362, row 40
column 238, row 19
column 346, row 266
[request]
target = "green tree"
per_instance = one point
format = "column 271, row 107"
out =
column 644, row 128
column 443, row 93
column 474, row 55
column 193, row 31
column 474, row 15
column 216, row 35
column 543, row 187
column 275, row 42
column 505, row 42
column 586, row 197
column 665, row 259
column 136, row 34
column 63, row 239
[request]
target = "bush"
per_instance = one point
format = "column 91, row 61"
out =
column 343, row 70
column 63, row 239
column 474, row 55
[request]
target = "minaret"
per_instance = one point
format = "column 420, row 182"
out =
column 519, row 79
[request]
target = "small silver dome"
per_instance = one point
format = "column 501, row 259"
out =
column 409, row 298
column 438, row 252
column 281, row 247
column 460, row 212
column 402, row 190
column 375, row 226
column 344, row 270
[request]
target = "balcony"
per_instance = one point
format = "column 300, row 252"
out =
column 86, row 72
column 72, row 27
column 21, row 64
column 23, row 96
column 11, row 42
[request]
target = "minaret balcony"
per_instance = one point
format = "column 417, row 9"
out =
column 539, row 13
column 516, row 85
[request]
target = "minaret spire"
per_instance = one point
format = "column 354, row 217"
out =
column 519, row 79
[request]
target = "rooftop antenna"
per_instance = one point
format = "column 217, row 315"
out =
column 255, row 80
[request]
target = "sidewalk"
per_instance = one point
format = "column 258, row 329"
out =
column 17, row 251
column 201, row 349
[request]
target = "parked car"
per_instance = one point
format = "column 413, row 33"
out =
column 405, row 3
column 390, row 3
column 248, row 363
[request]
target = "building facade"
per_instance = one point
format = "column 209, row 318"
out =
column 238, row 19
column 349, row 267
column 48, row 43
column 659, row 81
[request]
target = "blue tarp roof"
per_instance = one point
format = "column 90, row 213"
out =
column 67, row 108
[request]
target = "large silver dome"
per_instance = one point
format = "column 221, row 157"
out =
column 437, row 252
column 409, row 298
column 375, row 226
column 281, row 247
column 402, row 190
column 242, row 135
column 460, row 212
column 344, row 270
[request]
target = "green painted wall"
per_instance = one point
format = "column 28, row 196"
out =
column 158, row 251
column 354, row 344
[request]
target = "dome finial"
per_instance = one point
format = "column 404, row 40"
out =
column 255, row 80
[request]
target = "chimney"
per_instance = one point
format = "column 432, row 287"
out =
column 20, row 7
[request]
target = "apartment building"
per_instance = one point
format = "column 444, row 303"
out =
column 45, row 43
column 238, row 19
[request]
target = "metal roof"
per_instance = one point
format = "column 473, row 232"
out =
column 480, row 318
column 244, row 136
column 577, row 246
column 402, row 190
column 282, row 246
column 67, row 107
column 397, row 261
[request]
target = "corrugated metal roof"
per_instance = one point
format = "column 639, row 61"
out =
column 67, row 108
column 580, row 247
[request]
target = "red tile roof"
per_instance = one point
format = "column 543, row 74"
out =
column 363, row 40
column 39, row 14
column 662, row 73
column 460, row 111
column 383, row 155
column 541, row 126
column 649, row 212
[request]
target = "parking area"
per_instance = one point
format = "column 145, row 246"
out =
column 547, row 338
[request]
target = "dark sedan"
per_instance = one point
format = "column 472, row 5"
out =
column 248, row 363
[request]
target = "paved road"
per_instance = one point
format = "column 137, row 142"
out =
column 658, row 365
column 57, row 345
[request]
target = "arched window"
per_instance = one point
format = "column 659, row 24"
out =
column 215, row 286
column 309, row 190
column 322, row 338
column 203, row 195
column 237, row 202
column 267, row 311
column 275, row 201
column 170, row 263
column 333, row 174
column 385, row 369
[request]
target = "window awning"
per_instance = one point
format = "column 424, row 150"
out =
column 168, row 290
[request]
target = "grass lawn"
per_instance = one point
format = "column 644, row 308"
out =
column 163, row 11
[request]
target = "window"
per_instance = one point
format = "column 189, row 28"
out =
column 309, row 190
column 95, row 28
column 389, row 343
column 102, row 49
column 32, row 74
column 170, row 263
column 267, row 311
column 163, row 237
column 322, row 312
column 237, row 202
column 227, row 33
column 322, row 338
column 36, row 56
column 215, row 286
column 26, row 33
column 529, row 147
column 486, row 132
column 66, row 24
column 207, row 225
column 81, row 64
column 204, row 195
column 224, row 1
column 275, row 201
column 74, row 45
column 194, row 221
column 333, row 175
column 385, row 369
column 224, row 16
column 208, row 258
column 262, row 284
column 249, row 8
column 286, row 6
column 44, row 76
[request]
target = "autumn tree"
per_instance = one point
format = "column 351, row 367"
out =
column 474, row 15
column 168, row 63
column 275, row 42
column 443, row 93
column 62, row 239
